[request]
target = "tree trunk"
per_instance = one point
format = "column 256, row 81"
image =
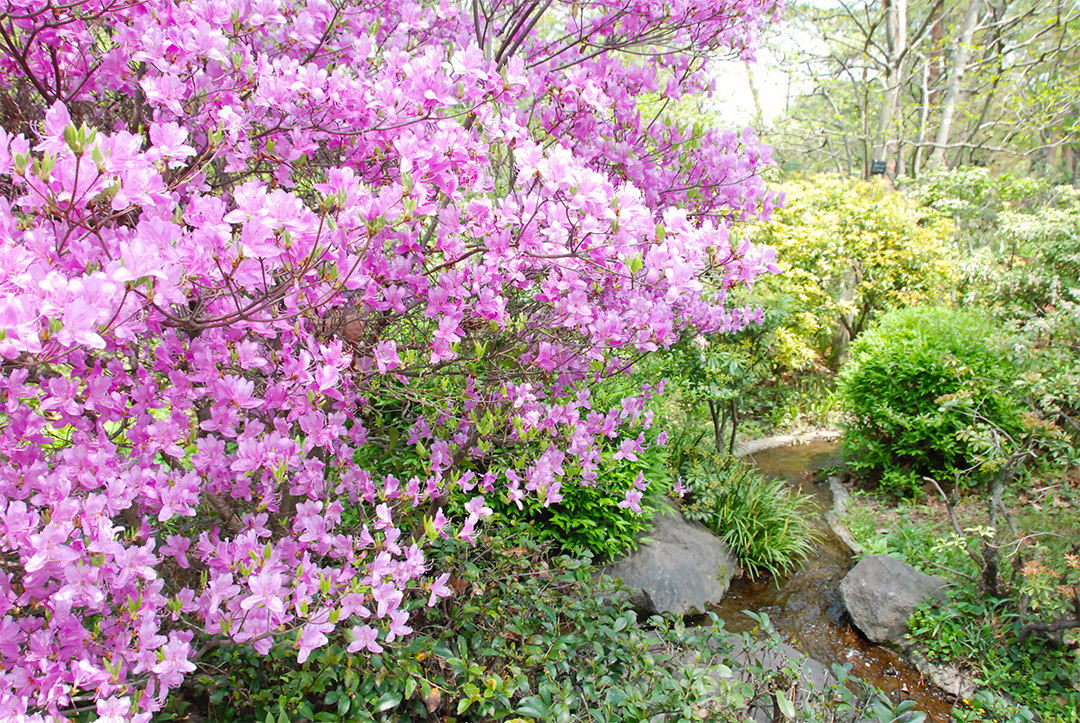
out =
column 734, row 426
column 759, row 116
column 924, row 116
column 717, row 426
column 954, row 84
column 896, row 38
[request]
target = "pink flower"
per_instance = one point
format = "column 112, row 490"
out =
column 439, row 588
column 174, row 660
column 679, row 489
column 468, row 529
column 627, row 450
column 398, row 628
column 114, row 710
column 386, row 356
column 168, row 141
column 475, row 506
column 632, row 500
column 365, row 637
column 266, row 591
column 312, row 636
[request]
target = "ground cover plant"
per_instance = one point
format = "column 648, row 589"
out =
column 525, row 634
column 276, row 278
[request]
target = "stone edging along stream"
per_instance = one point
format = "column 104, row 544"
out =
column 786, row 440
column 947, row 678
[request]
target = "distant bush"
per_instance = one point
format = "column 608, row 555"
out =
column 850, row 251
column 762, row 520
column 974, row 199
column 899, row 376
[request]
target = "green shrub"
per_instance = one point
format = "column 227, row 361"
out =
column 589, row 521
column 526, row 636
column 762, row 520
column 896, row 386
column 974, row 199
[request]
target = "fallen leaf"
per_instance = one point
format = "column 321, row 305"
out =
column 434, row 700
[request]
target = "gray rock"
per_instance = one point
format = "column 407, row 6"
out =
column 881, row 592
column 949, row 678
column 679, row 567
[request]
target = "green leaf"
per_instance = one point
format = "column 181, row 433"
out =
column 785, row 705
column 387, row 701
column 534, row 707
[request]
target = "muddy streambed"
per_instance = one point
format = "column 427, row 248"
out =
column 805, row 608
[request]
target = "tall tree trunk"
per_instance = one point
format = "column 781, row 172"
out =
column 896, row 38
column 954, row 84
column 759, row 116
column 924, row 116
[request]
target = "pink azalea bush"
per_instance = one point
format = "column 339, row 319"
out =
column 232, row 231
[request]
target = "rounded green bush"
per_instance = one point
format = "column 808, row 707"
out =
column 914, row 387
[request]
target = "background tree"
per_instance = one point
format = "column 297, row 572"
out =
column 852, row 250
column 929, row 86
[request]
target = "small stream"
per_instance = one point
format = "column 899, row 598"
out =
column 806, row 609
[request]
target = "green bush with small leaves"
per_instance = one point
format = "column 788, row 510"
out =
column 589, row 521
column 525, row 636
column 897, row 386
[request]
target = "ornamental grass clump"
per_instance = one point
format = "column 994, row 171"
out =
column 762, row 520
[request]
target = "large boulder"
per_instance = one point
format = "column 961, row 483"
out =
column 881, row 592
column 679, row 567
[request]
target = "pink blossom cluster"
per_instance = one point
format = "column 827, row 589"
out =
column 230, row 232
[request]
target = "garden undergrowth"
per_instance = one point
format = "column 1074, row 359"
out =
column 979, row 633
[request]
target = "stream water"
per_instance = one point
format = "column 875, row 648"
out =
column 805, row 608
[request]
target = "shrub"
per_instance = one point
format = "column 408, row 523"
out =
column 974, row 199
column 895, row 384
column 525, row 633
column 763, row 521
column 232, row 234
column 851, row 250
column 595, row 520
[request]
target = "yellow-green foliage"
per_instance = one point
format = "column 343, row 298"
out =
column 850, row 250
